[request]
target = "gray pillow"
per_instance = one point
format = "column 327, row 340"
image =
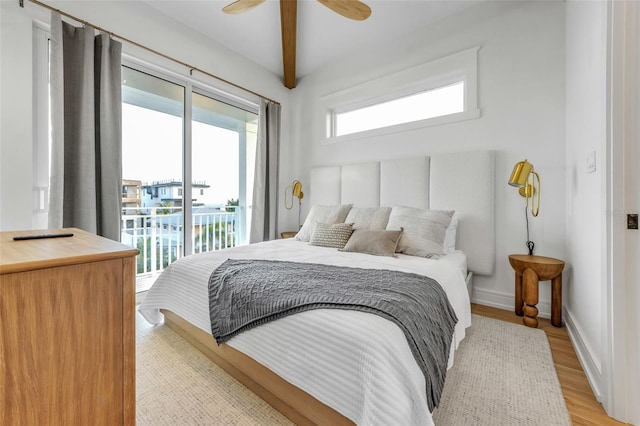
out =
column 424, row 230
column 377, row 242
column 335, row 235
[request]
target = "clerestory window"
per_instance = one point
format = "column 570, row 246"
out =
column 437, row 92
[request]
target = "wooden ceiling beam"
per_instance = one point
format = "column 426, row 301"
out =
column 289, row 24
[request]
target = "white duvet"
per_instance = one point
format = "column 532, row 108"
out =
column 357, row 363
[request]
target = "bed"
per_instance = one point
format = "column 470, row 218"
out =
column 328, row 366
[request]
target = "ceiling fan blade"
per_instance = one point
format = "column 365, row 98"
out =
column 352, row 9
column 240, row 6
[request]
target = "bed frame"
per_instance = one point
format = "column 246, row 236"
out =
column 460, row 181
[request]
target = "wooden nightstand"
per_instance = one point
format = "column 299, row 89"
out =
column 288, row 234
column 529, row 271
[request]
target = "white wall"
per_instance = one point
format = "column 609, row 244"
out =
column 128, row 19
column 521, row 97
column 15, row 117
column 586, row 127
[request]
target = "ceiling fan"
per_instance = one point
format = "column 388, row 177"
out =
column 352, row 9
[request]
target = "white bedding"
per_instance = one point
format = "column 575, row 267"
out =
column 357, row 363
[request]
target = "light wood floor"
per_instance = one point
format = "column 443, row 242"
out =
column 582, row 404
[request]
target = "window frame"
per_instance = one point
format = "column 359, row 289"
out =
column 41, row 132
column 455, row 68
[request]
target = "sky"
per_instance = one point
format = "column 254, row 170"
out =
column 152, row 151
column 428, row 104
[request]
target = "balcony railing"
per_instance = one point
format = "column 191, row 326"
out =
column 157, row 233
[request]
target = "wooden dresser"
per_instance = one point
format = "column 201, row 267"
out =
column 67, row 330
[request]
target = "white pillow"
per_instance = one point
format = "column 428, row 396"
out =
column 450, row 234
column 323, row 214
column 424, row 230
column 372, row 218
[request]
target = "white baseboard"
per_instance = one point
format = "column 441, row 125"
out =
column 500, row 300
column 587, row 361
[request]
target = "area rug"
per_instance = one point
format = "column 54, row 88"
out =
column 503, row 375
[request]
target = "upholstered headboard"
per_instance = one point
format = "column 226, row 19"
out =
column 462, row 181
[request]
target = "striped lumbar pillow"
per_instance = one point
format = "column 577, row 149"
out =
column 335, row 235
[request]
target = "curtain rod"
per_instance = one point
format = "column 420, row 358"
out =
column 184, row 64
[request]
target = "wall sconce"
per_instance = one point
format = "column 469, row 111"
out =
column 522, row 171
column 295, row 189
column 520, row 178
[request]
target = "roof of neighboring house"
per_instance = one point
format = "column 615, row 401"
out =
column 173, row 183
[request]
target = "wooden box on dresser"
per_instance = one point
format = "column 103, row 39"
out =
column 67, row 330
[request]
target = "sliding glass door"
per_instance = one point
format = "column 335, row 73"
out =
column 223, row 150
column 188, row 162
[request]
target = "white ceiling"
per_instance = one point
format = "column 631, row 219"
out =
column 323, row 35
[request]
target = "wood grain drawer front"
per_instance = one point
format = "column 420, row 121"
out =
column 61, row 345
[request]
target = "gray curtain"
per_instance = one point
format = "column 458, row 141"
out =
column 265, row 186
column 86, row 114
